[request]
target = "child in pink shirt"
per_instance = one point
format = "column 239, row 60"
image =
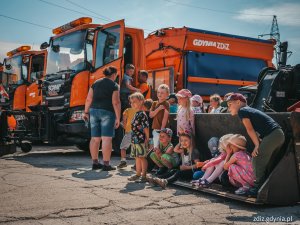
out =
column 239, row 165
column 185, row 115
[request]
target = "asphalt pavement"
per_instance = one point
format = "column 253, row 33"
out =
column 55, row 185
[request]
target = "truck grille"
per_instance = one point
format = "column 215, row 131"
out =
column 57, row 101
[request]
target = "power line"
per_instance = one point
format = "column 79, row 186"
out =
column 97, row 13
column 214, row 10
column 71, row 10
column 80, row 6
column 24, row 21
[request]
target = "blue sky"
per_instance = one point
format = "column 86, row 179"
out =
column 240, row 17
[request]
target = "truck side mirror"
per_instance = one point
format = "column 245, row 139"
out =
column 39, row 82
column 39, row 75
column 25, row 59
column 8, row 66
column 90, row 37
column 44, row 45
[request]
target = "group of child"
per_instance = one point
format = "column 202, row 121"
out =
column 147, row 132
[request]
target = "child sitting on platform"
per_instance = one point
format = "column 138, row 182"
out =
column 214, row 167
column 189, row 157
column 239, row 166
column 163, row 155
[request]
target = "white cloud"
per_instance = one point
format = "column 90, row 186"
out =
column 8, row 46
column 287, row 14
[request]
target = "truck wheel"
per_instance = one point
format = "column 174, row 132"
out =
column 117, row 141
column 25, row 147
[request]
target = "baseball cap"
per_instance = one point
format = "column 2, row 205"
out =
column 167, row 131
column 184, row 93
column 236, row 96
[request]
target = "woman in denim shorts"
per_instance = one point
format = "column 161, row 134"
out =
column 103, row 108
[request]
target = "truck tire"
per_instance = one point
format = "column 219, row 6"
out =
column 25, row 147
column 116, row 142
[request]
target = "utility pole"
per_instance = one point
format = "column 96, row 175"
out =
column 274, row 34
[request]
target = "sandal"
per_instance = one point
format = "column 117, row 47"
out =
column 204, row 184
column 195, row 182
column 133, row 178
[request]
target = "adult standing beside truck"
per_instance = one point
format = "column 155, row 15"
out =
column 126, row 86
column 103, row 108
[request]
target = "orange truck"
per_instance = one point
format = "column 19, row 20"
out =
column 21, row 91
column 77, row 55
column 21, row 69
column 205, row 62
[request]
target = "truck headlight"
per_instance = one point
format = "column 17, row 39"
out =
column 76, row 116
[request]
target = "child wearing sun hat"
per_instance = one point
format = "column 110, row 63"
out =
column 214, row 167
column 239, row 165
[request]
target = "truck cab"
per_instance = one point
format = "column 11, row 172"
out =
column 21, row 69
column 78, row 53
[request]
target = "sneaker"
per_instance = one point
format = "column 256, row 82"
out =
column 122, row 165
column 195, row 182
column 242, row 191
column 133, row 167
column 108, row 168
column 141, row 180
column 161, row 171
column 97, row 166
column 161, row 182
column 133, row 178
column 150, row 179
column 252, row 192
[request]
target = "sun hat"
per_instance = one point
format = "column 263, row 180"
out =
column 197, row 98
column 223, row 142
column 238, row 141
column 184, row 93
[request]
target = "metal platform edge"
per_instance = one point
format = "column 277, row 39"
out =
column 218, row 193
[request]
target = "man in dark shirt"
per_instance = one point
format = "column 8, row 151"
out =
column 258, row 126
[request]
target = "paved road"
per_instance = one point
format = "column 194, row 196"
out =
column 55, row 185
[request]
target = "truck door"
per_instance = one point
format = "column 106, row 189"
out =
column 33, row 93
column 108, row 50
column 161, row 76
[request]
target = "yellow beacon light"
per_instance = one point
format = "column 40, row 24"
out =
column 74, row 23
column 20, row 49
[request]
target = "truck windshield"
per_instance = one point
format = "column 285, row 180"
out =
column 67, row 53
column 12, row 71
